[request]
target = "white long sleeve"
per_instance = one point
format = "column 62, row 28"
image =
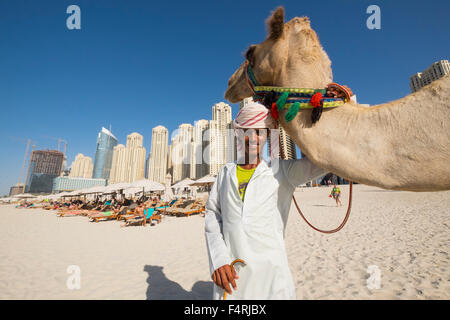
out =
column 301, row 170
column 217, row 250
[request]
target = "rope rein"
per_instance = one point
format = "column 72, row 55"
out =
column 347, row 214
column 349, row 208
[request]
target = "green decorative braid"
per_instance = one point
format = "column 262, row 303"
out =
column 282, row 101
column 293, row 108
column 292, row 112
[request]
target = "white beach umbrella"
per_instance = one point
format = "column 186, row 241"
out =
column 24, row 196
column 183, row 183
column 61, row 195
column 131, row 191
column 74, row 193
column 179, row 186
column 147, row 185
column 117, row 187
column 97, row 189
column 208, row 179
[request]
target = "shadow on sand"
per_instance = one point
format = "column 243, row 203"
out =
column 161, row 288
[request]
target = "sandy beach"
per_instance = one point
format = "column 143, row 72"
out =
column 403, row 236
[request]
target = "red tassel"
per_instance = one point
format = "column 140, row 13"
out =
column 315, row 99
column 274, row 111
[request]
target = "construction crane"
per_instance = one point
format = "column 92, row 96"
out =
column 65, row 146
column 28, row 170
column 23, row 163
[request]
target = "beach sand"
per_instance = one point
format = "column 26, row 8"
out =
column 400, row 238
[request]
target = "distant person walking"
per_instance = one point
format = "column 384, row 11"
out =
column 336, row 194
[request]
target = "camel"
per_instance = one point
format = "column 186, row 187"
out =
column 399, row 145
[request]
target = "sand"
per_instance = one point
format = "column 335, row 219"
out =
column 400, row 238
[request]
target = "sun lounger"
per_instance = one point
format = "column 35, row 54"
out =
column 197, row 207
column 139, row 220
column 186, row 204
column 108, row 215
column 72, row 213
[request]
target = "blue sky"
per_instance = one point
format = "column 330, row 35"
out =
column 138, row 64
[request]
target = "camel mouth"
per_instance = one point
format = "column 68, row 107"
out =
column 237, row 89
column 229, row 95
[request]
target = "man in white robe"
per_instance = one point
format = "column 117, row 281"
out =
column 253, row 229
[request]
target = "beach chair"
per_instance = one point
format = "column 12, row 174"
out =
column 184, row 204
column 188, row 204
column 72, row 213
column 152, row 214
column 167, row 205
column 197, row 207
column 131, row 214
column 149, row 215
column 104, row 216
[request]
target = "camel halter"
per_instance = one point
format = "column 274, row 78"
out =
column 295, row 99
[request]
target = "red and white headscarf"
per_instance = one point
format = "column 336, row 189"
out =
column 254, row 115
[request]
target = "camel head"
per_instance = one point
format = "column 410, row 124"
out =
column 290, row 56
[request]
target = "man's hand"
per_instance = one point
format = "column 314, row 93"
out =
column 225, row 275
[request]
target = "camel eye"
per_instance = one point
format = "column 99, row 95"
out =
column 249, row 54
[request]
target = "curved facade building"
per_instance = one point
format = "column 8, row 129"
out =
column 106, row 142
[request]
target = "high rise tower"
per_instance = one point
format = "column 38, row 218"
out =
column 128, row 163
column 81, row 167
column 157, row 164
column 221, row 145
column 106, row 142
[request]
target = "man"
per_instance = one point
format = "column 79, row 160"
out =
column 247, row 211
column 336, row 194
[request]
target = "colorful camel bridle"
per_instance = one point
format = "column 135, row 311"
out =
column 294, row 99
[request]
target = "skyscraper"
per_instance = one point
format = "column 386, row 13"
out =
column 287, row 145
column 185, row 137
column 157, row 164
column 435, row 71
column 81, row 167
column 199, row 167
column 44, row 166
column 128, row 163
column 245, row 102
column 106, row 142
column 176, row 157
column 221, row 145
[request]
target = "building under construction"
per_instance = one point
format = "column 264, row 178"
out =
column 44, row 166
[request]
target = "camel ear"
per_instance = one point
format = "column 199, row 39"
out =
column 275, row 23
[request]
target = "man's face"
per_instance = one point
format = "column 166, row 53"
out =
column 254, row 140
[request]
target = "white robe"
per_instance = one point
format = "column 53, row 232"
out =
column 253, row 230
